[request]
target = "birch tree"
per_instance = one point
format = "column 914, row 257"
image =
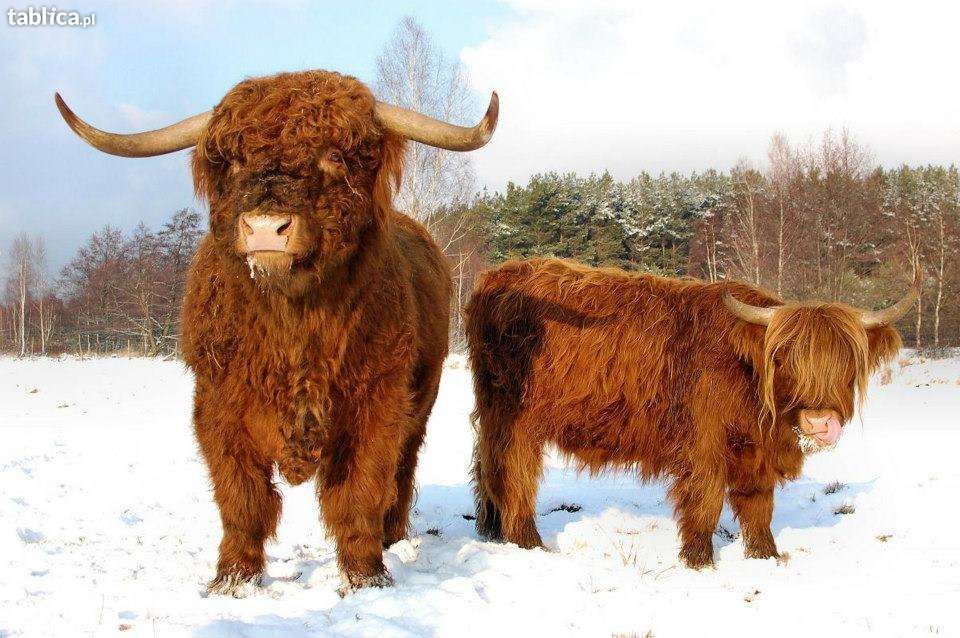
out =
column 20, row 286
column 413, row 72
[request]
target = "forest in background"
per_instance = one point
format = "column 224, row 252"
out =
column 821, row 221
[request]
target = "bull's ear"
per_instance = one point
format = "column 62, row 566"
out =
column 390, row 172
column 207, row 173
column 883, row 343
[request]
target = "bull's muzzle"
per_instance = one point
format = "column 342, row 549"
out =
column 266, row 233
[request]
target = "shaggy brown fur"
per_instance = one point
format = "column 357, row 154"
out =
column 323, row 360
column 656, row 374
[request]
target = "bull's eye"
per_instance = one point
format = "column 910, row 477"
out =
column 334, row 156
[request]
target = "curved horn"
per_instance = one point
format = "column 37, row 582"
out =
column 873, row 318
column 426, row 130
column 754, row 314
column 175, row 137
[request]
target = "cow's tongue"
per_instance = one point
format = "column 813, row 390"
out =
column 832, row 433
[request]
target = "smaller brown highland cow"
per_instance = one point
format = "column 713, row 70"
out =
column 720, row 387
column 315, row 319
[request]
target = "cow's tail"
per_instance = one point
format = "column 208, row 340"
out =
column 488, row 521
column 486, row 417
column 504, row 331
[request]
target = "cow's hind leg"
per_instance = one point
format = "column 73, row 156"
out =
column 509, row 465
column 699, row 501
column 249, row 502
column 754, row 510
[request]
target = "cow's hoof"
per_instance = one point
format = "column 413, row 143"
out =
column 235, row 585
column 353, row 582
column 761, row 552
column 697, row 557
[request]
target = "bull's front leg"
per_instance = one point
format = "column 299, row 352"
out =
column 243, row 489
column 754, row 510
column 357, row 484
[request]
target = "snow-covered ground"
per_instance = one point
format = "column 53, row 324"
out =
column 107, row 525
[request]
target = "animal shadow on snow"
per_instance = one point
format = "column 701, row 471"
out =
column 315, row 623
column 567, row 497
column 442, row 521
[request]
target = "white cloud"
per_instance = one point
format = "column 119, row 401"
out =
column 632, row 86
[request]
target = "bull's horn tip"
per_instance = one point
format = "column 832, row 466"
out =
column 65, row 110
column 492, row 115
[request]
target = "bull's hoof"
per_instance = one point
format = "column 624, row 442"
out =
column 526, row 537
column 235, row 585
column 353, row 582
column 530, row 543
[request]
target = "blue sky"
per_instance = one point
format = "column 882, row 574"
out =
column 619, row 85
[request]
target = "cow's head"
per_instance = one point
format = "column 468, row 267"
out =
column 299, row 169
column 816, row 360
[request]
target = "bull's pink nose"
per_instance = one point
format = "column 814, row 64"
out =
column 265, row 232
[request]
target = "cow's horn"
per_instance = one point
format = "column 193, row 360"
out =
column 754, row 314
column 175, row 137
column 872, row 318
column 424, row 129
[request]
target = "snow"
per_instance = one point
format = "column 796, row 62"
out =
column 107, row 526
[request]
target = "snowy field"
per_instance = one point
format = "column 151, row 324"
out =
column 107, row 527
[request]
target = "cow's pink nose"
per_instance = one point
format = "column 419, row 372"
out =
column 266, row 232
column 824, row 425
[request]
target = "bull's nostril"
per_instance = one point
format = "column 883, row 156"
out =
column 284, row 228
column 245, row 227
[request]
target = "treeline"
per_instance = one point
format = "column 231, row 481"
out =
column 821, row 222
column 120, row 293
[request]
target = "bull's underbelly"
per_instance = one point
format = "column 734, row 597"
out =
column 302, row 447
column 290, row 432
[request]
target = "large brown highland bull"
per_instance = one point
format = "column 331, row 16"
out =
column 719, row 387
column 315, row 318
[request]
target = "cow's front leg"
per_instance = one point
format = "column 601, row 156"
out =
column 699, row 501
column 357, row 483
column 243, row 489
column 754, row 510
